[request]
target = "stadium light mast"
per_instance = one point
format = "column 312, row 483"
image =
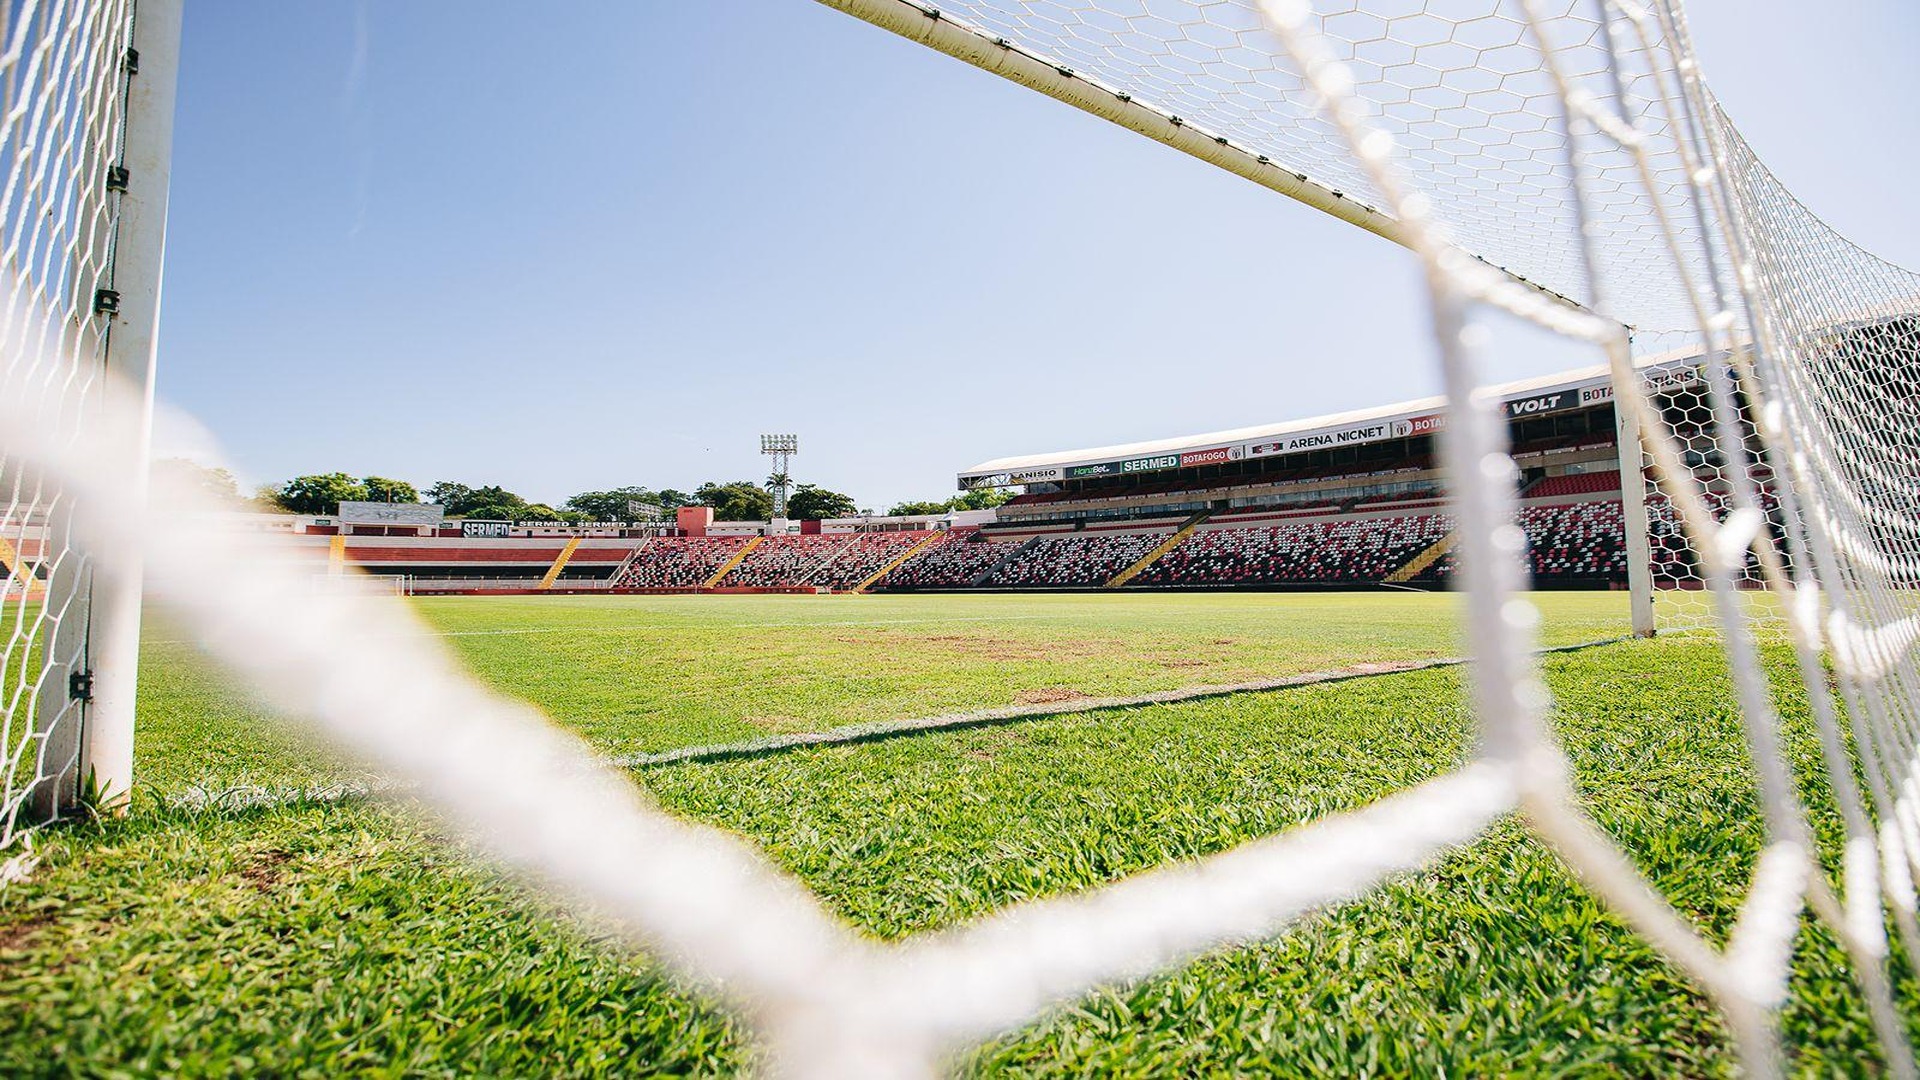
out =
column 780, row 448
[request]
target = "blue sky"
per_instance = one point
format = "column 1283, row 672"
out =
column 612, row 243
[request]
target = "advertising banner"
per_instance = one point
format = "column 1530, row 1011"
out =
column 1216, row 456
column 1540, row 403
column 1430, row 424
column 1033, row 476
column 1323, row 440
column 1673, row 379
column 1594, row 395
column 1105, row 468
column 1148, row 464
column 484, row 529
column 380, row 513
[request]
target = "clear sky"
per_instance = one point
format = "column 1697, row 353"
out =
column 577, row 245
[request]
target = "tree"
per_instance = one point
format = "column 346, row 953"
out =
column 610, row 505
column 492, row 501
column 671, row 499
column 919, row 509
column 381, row 489
column 739, row 500
column 179, row 474
column 538, row 512
column 447, row 494
column 810, row 502
column 980, row 498
column 321, row 493
column 977, row 499
column 495, row 496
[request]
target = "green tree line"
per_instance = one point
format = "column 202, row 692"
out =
column 732, row 500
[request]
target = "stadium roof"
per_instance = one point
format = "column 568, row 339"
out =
column 1540, row 395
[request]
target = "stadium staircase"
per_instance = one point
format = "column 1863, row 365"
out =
column 560, row 563
column 620, row 572
column 826, row 562
column 1185, row 530
column 895, row 564
column 337, row 555
column 984, row 576
column 727, row 567
column 15, row 567
column 1423, row 560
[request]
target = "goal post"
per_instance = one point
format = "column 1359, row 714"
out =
column 88, row 166
column 1633, row 520
column 926, row 23
column 105, row 760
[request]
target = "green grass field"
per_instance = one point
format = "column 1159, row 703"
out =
column 325, row 936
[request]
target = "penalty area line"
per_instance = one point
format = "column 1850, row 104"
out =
column 892, row 729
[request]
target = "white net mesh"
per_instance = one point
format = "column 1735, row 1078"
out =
column 1571, row 144
column 1460, row 85
column 63, row 76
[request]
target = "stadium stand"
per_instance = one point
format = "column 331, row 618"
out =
column 1074, row 559
column 1575, row 541
column 864, row 555
column 677, row 562
column 1574, row 484
column 786, row 561
column 1569, row 544
column 953, row 563
column 1349, row 500
column 1338, row 552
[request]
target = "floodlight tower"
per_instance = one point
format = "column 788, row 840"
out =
column 779, row 448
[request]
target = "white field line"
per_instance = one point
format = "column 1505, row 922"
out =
column 882, row 729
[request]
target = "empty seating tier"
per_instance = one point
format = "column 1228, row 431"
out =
column 952, row 563
column 1074, row 559
column 678, row 562
column 786, row 561
column 1353, row 551
column 864, row 555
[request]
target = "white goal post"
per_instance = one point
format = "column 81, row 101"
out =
column 85, row 150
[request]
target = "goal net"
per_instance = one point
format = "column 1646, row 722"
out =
column 64, row 74
column 1555, row 161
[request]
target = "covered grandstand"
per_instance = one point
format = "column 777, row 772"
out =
column 1339, row 501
